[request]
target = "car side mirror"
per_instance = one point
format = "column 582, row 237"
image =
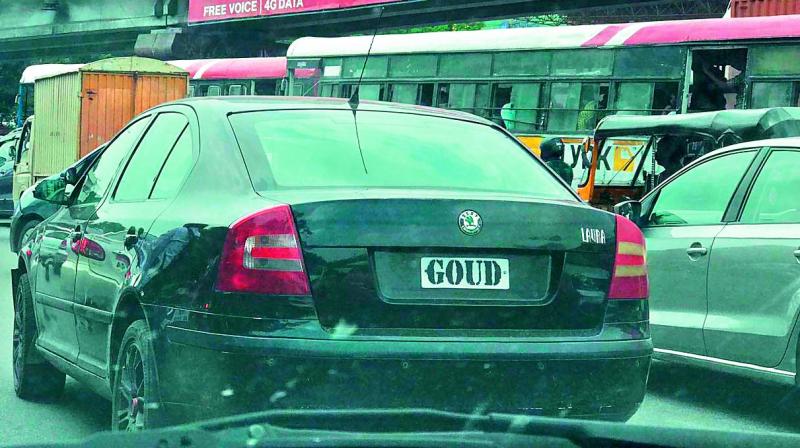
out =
column 70, row 176
column 53, row 190
column 629, row 209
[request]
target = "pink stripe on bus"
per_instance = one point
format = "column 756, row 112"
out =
column 604, row 36
column 249, row 68
column 717, row 30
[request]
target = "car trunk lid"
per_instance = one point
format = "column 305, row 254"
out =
column 384, row 260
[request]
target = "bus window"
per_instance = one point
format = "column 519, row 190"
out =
column 346, row 90
column 214, row 91
column 665, row 98
column 645, row 98
column 372, row 92
column 634, row 98
column 413, row 66
column 443, row 95
column 265, row 87
column 403, row 93
column 483, row 100
column 501, row 98
column 465, row 97
column 304, row 87
column 236, row 90
column 565, row 98
column 425, row 94
column 773, row 94
column 517, row 106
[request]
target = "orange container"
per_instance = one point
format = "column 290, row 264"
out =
column 78, row 111
column 758, row 8
column 111, row 99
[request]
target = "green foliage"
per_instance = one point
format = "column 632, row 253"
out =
column 435, row 28
column 518, row 22
column 545, row 20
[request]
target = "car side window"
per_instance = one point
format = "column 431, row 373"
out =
column 143, row 168
column 701, row 195
column 101, row 174
column 773, row 199
column 177, row 166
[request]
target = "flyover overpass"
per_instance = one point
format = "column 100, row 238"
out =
column 50, row 30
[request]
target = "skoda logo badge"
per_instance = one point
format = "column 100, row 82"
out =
column 470, row 222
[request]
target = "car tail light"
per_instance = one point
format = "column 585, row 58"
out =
column 262, row 255
column 629, row 280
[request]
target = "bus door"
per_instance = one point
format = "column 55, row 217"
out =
column 716, row 79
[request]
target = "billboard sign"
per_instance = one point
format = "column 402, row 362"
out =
column 220, row 10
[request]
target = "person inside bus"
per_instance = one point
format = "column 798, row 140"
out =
column 706, row 94
column 590, row 113
column 726, row 86
column 672, row 105
column 710, row 86
column 509, row 116
column 552, row 150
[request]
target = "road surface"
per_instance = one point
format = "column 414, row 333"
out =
column 678, row 396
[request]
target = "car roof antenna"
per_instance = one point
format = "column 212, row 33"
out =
column 354, row 98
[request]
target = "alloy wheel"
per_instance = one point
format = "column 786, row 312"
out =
column 17, row 343
column 130, row 391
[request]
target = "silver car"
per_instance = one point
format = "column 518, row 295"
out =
column 723, row 245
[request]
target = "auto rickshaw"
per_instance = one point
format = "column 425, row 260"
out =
column 669, row 142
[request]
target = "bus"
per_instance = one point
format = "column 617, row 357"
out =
column 207, row 77
column 239, row 76
column 561, row 81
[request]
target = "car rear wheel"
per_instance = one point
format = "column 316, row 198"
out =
column 26, row 232
column 133, row 405
column 34, row 377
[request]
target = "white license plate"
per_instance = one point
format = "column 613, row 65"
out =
column 464, row 273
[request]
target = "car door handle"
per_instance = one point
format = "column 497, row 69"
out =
column 131, row 238
column 76, row 234
column 696, row 251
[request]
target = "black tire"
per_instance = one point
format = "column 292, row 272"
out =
column 28, row 227
column 134, row 405
column 34, row 377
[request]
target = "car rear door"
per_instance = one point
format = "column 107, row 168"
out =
column 62, row 244
column 686, row 216
column 754, row 273
column 116, row 236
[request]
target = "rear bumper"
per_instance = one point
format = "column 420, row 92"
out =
column 211, row 375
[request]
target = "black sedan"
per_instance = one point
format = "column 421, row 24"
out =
column 226, row 255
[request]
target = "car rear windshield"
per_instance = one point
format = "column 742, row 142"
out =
column 320, row 149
